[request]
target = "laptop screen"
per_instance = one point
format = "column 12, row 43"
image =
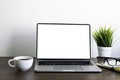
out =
column 63, row 41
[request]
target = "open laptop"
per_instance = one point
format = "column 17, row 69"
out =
column 63, row 47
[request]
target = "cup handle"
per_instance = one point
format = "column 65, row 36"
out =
column 9, row 62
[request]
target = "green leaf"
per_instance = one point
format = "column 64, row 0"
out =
column 103, row 36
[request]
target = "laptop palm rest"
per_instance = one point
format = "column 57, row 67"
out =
column 60, row 68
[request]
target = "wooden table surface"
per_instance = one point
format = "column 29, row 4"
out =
column 8, row 73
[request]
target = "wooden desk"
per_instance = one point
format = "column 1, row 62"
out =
column 8, row 73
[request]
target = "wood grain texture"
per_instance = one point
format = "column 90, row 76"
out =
column 8, row 73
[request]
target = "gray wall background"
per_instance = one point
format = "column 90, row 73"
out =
column 18, row 19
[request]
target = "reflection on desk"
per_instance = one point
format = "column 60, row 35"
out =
column 8, row 73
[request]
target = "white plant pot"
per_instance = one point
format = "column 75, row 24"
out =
column 104, row 51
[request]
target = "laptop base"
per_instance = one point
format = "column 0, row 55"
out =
column 66, row 68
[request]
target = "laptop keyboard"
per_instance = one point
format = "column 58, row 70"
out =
column 65, row 63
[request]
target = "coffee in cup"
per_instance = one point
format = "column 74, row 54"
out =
column 22, row 63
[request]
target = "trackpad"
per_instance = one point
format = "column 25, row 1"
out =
column 67, row 67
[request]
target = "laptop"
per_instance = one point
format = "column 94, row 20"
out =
column 64, row 47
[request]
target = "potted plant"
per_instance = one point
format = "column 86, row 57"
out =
column 104, row 39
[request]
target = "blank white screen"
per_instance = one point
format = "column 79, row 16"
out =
column 63, row 41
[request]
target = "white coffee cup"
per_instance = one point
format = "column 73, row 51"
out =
column 22, row 63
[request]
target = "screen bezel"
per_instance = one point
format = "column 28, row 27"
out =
column 61, row 24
